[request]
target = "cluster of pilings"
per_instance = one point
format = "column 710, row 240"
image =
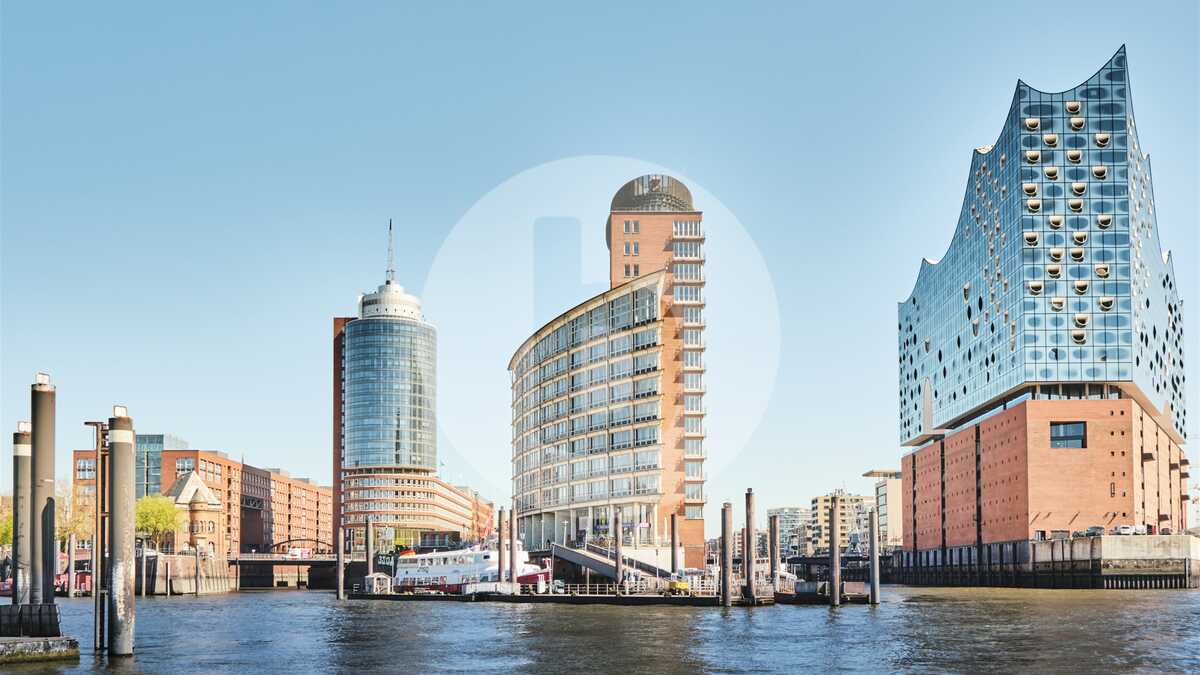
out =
column 35, row 551
column 749, row 593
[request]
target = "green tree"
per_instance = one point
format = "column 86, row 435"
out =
column 155, row 516
column 6, row 530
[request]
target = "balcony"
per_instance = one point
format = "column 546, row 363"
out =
column 695, row 499
column 694, row 434
column 695, row 454
column 687, row 236
column 702, row 410
column 697, row 478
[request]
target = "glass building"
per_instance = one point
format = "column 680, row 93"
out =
column 1054, row 275
column 148, row 461
column 1041, row 377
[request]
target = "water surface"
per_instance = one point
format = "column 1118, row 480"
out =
column 915, row 630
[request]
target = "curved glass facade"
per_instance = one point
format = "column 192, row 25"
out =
column 389, row 419
column 1054, row 274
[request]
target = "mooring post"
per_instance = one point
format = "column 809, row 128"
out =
column 121, row 610
column 513, row 568
column 875, row 556
column 500, row 544
column 617, row 542
column 22, row 497
column 749, row 547
column 42, row 547
column 835, row 554
column 341, row 566
column 196, row 553
column 674, row 544
column 773, row 548
column 727, row 554
column 71, row 565
column 370, row 549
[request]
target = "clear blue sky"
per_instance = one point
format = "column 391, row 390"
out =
column 190, row 193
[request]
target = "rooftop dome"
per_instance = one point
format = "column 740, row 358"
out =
column 653, row 192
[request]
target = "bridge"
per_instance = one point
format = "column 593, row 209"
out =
column 286, row 553
column 603, row 561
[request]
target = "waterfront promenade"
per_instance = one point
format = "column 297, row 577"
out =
column 915, row 629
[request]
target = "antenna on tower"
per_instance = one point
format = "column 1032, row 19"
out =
column 391, row 267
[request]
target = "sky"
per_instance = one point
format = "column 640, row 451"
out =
column 189, row 194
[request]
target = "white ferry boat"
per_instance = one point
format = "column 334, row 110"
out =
column 449, row 571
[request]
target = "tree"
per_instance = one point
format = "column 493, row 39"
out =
column 6, row 530
column 74, row 513
column 155, row 516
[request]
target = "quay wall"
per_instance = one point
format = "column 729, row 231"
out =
column 1138, row 561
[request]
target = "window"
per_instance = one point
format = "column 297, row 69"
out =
column 636, row 269
column 635, row 248
column 694, row 512
column 627, row 249
column 627, row 270
column 1068, row 434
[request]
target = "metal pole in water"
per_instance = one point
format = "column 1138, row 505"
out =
column 875, row 556
column 512, row 549
column 145, row 579
column 773, row 547
column 121, row 610
column 22, row 498
column 620, row 561
column 100, row 428
column 727, row 554
column 370, row 549
column 43, row 552
column 835, row 555
column 196, row 552
column 71, row 566
column 674, row 543
column 500, row 547
column 749, row 546
column 341, row 566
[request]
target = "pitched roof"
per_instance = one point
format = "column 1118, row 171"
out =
column 190, row 489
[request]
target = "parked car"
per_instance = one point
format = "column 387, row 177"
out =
column 1094, row 531
column 1139, row 529
column 1165, row 530
column 1123, row 529
column 1078, row 534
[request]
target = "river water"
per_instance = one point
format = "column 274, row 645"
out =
column 915, row 629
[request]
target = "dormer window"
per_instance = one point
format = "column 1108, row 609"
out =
column 1029, row 188
column 1081, row 286
column 1031, row 238
column 1052, row 173
column 1079, row 188
column 1106, row 303
column 1102, row 139
column 1079, row 237
column 1075, row 156
column 1072, row 107
column 1033, row 156
column 1056, row 254
column 1100, row 172
column 1032, row 123
column 1081, row 320
column 1079, row 336
column 1077, row 123
column 1104, row 220
column 1077, row 254
column 1057, row 304
column 1102, row 270
column 1055, row 221
column 1075, row 205
column 1054, row 271
column 1035, row 287
column 1034, row 205
column 1051, row 140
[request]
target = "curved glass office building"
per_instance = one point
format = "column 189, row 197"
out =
column 608, row 398
column 1041, row 358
